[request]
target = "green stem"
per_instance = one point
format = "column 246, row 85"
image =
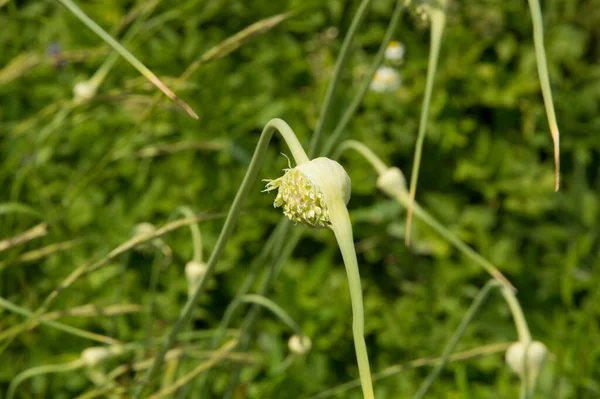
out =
column 251, row 174
column 362, row 91
column 196, row 234
column 46, row 369
column 342, row 228
column 460, row 330
column 402, row 197
column 337, row 74
column 518, row 316
column 542, row 65
column 57, row 325
column 456, row 242
column 363, row 150
column 438, row 21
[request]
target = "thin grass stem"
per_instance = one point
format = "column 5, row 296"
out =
column 460, row 330
column 196, row 234
column 438, row 21
column 364, row 86
column 398, row 368
column 542, row 65
column 57, row 325
column 41, row 370
column 337, row 74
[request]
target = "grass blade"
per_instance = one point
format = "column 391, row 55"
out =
column 59, row 326
column 542, row 65
column 460, row 330
column 137, row 64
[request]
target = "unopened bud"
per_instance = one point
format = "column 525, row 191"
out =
column 536, row 356
column 94, row 355
column 193, row 273
column 392, row 181
column 84, row 91
column 299, row 345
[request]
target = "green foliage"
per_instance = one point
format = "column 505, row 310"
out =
column 95, row 170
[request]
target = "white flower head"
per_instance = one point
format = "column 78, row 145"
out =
column 94, row 355
column 395, row 52
column 307, row 191
column 193, row 273
column 536, row 356
column 299, row 345
column 386, row 79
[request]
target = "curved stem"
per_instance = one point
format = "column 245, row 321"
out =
column 542, row 65
column 455, row 241
column 268, row 304
column 230, row 221
column 337, row 74
column 438, row 21
column 402, row 197
column 46, row 369
column 363, row 150
column 518, row 316
column 196, row 234
column 342, row 228
column 364, row 87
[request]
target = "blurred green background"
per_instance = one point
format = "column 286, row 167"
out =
column 95, row 170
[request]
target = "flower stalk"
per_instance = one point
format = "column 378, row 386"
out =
column 316, row 193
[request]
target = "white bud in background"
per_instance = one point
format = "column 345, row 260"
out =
column 84, row 91
column 536, row 356
column 299, row 345
column 386, row 79
column 94, row 355
column 144, row 228
column 193, row 273
column 392, row 181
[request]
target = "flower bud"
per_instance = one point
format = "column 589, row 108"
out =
column 536, row 356
column 193, row 273
column 307, row 191
column 299, row 345
column 392, row 181
column 94, row 355
column 84, row 91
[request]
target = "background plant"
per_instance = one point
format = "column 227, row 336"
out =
column 487, row 175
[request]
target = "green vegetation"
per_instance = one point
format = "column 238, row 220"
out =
column 118, row 278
